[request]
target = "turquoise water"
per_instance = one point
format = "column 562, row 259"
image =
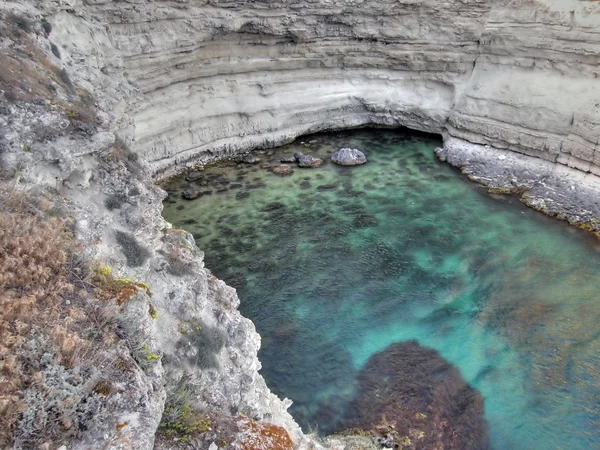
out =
column 334, row 264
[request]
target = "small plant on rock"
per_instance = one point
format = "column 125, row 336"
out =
column 120, row 289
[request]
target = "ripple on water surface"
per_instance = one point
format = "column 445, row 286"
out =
column 335, row 264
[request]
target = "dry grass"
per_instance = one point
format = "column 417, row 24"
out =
column 55, row 333
column 32, row 285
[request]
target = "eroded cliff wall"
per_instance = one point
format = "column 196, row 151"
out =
column 534, row 88
column 225, row 76
column 186, row 80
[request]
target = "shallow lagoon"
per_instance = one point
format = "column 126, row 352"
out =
column 334, row 264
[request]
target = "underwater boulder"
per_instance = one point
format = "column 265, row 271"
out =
column 303, row 160
column 365, row 221
column 194, row 175
column 191, row 194
column 409, row 396
column 248, row 158
column 309, row 161
column 282, row 170
column 288, row 158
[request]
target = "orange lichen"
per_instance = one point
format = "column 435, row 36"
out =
column 263, row 436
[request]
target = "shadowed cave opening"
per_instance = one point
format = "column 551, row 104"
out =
column 334, row 265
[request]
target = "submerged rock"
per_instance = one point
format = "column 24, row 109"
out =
column 194, row 175
column 282, row 170
column 412, row 397
column 326, row 187
column 364, row 221
column 308, row 161
column 273, row 206
column 288, row 158
column 248, row 158
column 191, row 194
column 349, row 157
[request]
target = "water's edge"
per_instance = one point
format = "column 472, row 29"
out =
column 558, row 192
column 553, row 189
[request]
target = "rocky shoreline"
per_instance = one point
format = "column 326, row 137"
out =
column 100, row 100
column 555, row 190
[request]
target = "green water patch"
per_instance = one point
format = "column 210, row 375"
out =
column 334, row 264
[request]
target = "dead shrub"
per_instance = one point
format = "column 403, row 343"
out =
column 25, row 80
column 27, row 75
column 33, row 283
column 55, row 334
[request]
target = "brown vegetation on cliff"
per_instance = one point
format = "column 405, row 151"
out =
column 59, row 348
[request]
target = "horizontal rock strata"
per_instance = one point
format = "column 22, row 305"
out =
column 184, row 81
column 222, row 77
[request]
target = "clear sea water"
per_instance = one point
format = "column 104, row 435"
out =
column 334, row 264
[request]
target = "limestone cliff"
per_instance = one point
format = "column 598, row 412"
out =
column 534, row 85
column 184, row 81
column 225, row 76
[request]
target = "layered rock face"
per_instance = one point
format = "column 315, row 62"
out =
column 534, row 86
column 227, row 76
column 222, row 76
column 183, row 81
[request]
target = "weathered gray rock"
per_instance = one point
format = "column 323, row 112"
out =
column 306, row 161
column 432, row 66
column 185, row 82
column 191, row 194
column 248, row 159
column 194, row 175
column 349, row 157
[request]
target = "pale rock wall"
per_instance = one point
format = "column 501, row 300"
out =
column 229, row 76
column 86, row 172
column 226, row 76
column 535, row 87
column 183, row 81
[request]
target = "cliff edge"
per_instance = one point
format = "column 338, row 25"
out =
column 100, row 99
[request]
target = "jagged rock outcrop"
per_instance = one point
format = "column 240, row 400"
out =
column 181, row 82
